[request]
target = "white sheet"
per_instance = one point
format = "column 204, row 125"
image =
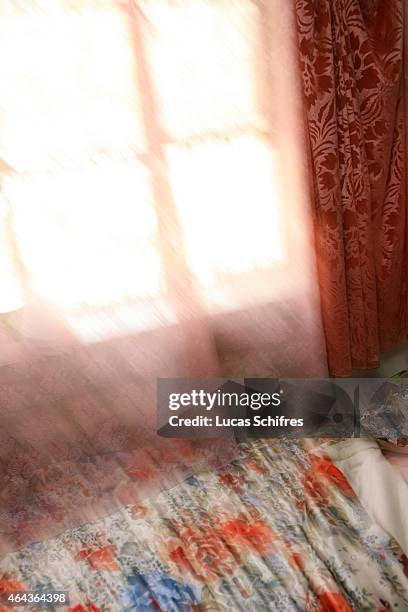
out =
column 379, row 486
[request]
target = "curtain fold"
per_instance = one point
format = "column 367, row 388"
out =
column 351, row 55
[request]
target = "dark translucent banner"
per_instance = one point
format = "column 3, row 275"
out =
column 261, row 407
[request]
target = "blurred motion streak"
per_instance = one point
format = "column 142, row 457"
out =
column 93, row 152
column 154, row 222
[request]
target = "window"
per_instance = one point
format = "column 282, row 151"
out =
column 140, row 153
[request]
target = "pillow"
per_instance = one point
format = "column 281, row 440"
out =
column 389, row 413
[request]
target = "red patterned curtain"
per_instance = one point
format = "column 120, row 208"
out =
column 351, row 61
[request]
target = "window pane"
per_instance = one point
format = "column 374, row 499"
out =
column 88, row 236
column 67, row 84
column 226, row 195
column 203, row 56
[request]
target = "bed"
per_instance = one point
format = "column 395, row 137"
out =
column 279, row 528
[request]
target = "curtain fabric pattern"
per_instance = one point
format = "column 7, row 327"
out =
column 351, row 54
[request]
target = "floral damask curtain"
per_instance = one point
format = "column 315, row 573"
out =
column 352, row 66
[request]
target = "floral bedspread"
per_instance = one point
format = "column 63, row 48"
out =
column 278, row 529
